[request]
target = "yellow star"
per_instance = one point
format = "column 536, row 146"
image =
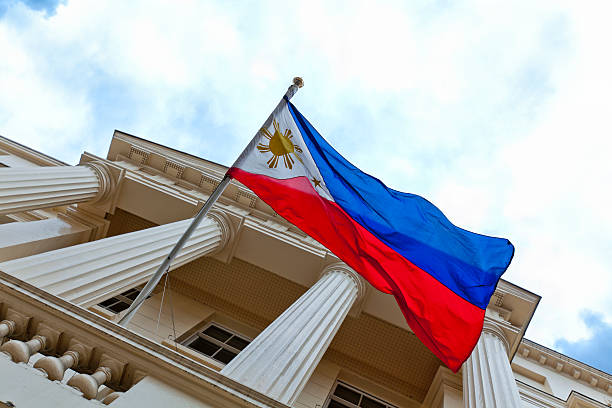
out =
column 316, row 182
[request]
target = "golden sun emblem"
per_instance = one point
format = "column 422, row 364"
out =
column 280, row 145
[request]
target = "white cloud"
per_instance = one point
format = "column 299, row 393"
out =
column 495, row 111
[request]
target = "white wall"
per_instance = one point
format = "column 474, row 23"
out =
column 25, row 386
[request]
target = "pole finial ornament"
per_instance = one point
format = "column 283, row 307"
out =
column 298, row 81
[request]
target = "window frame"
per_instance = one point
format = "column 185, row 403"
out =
column 332, row 397
column 120, row 297
column 222, row 346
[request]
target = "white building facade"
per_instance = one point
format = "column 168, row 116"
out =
column 254, row 313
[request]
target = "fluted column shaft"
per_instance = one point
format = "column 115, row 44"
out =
column 87, row 273
column 281, row 359
column 31, row 188
column 487, row 376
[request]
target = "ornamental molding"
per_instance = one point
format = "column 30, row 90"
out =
column 539, row 398
column 137, row 155
column 562, row 364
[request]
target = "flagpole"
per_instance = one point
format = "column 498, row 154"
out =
column 165, row 266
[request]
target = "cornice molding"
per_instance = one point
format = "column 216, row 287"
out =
column 27, row 153
column 562, row 364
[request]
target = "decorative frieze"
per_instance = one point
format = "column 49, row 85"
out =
column 175, row 170
column 246, row 198
column 139, row 156
column 208, row 183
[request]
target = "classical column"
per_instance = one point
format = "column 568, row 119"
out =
column 487, row 377
column 18, row 239
column 281, row 359
column 31, row 188
column 88, row 273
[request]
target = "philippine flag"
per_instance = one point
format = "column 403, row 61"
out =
column 442, row 276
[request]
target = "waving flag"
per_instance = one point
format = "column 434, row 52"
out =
column 441, row 276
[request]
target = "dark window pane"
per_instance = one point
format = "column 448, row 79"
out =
column 225, row 356
column 203, row 346
column 108, row 302
column 119, row 307
column 237, row 342
column 131, row 294
column 347, row 394
column 370, row 403
column 336, row 404
column 217, row 333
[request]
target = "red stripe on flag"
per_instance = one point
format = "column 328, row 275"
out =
column 445, row 322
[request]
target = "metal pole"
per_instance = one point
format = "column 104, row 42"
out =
column 165, row 266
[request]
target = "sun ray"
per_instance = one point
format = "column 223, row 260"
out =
column 280, row 145
column 266, row 133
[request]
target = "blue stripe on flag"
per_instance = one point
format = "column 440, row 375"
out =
column 467, row 263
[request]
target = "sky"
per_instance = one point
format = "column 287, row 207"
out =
column 498, row 112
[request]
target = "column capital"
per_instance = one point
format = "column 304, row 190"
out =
column 105, row 180
column 491, row 327
column 225, row 225
column 360, row 283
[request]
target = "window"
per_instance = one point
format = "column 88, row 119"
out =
column 217, row 342
column 120, row 302
column 345, row 396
